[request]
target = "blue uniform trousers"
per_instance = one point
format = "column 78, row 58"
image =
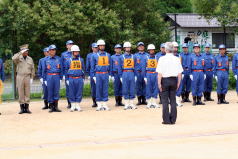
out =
column 102, row 80
column 75, row 89
column 197, row 83
column 45, row 92
column 208, row 81
column 140, row 85
column 128, row 85
column 117, row 85
column 186, row 82
column 152, row 85
column 53, row 87
column 223, row 81
column 93, row 88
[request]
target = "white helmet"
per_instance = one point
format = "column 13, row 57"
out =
column 151, row 47
column 101, row 42
column 74, row 48
column 175, row 44
column 127, row 44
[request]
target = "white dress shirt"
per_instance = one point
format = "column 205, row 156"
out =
column 169, row 66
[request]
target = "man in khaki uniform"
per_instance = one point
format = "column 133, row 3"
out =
column 25, row 74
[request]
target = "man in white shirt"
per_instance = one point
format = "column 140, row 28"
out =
column 169, row 70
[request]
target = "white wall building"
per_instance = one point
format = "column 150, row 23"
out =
column 196, row 29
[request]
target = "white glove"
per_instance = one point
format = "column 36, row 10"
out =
column 63, row 77
column 135, row 78
column 31, row 81
column 94, row 78
column 216, row 78
column 235, row 77
column 89, row 78
column 67, row 82
column 121, row 80
column 145, row 79
column 191, row 77
column 46, row 83
column 112, row 78
column 205, row 76
column 182, row 76
column 41, row 80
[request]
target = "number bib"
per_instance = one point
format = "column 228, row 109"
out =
column 75, row 65
column 151, row 63
column 103, row 61
column 128, row 63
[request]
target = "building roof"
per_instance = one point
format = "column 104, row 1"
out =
column 192, row 20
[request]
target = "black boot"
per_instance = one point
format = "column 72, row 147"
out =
column 199, row 101
column 22, row 109
column 52, row 107
column 120, row 101
column 223, row 99
column 143, row 100
column 194, row 100
column 139, row 100
column 183, row 97
column 205, row 96
column 219, row 98
column 94, row 102
column 209, row 97
column 69, row 104
column 117, row 100
column 27, row 108
column 56, row 106
column 46, row 105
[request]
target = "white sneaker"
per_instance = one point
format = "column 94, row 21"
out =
column 78, row 107
column 178, row 101
column 99, row 107
column 132, row 104
column 154, row 103
column 127, row 104
column 72, row 107
column 149, row 103
column 105, row 106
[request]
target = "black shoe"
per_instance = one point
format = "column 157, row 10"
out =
column 187, row 97
column 117, row 100
column 219, row 99
column 199, row 101
column 120, row 101
column 194, row 100
column 94, row 102
column 166, row 123
column 139, row 100
column 160, row 101
column 143, row 100
column 52, row 107
column 223, row 100
column 27, row 109
column 56, row 106
column 183, row 95
column 69, row 104
column 22, row 109
column 205, row 96
column 46, row 105
column 209, row 97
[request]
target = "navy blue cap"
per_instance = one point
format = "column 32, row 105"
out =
column 69, row 42
column 196, row 45
column 117, row 46
column 207, row 45
column 162, row 45
column 52, row 47
column 140, row 44
column 94, row 45
column 46, row 49
column 222, row 46
column 185, row 45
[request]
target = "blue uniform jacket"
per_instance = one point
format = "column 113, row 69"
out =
column 209, row 60
column 235, row 64
column 185, row 60
column 221, row 62
column 115, row 63
column 140, row 63
column 74, row 69
column 89, row 63
column 52, row 65
column 102, row 65
column 126, row 66
column 40, row 67
column 197, row 62
column 151, row 66
column 64, row 57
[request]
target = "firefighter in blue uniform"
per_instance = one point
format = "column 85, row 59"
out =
column 2, row 77
column 52, row 75
column 158, row 55
column 101, row 75
column 186, row 81
column 179, row 91
column 75, row 78
column 127, row 76
column 90, row 76
column 221, row 74
column 197, row 67
column 140, row 65
column 64, row 57
column 40, row 75
column 151, row 78
column 115, row 76
column 209, row 64
column 235, row 69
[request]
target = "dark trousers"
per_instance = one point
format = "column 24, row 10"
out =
column 168, row 96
